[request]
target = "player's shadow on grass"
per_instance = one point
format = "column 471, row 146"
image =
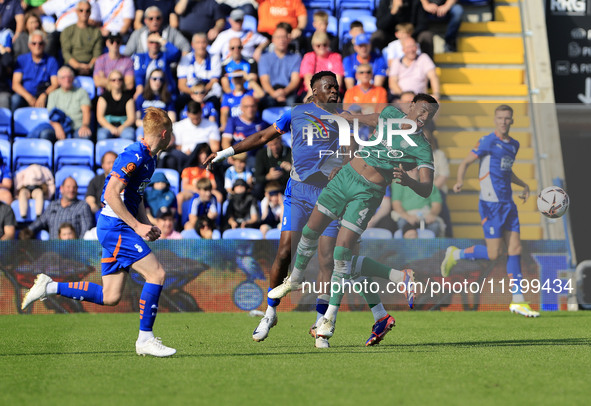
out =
column 503, row 343
column 53, row 353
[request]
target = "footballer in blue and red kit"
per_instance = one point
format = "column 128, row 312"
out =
column 497, row 209
column 312, row 164
column 498, row 212
column 122, row 246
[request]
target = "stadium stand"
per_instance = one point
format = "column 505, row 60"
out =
column 116, row 145
column 81, row 175
column 173, row 178
column 487, row 70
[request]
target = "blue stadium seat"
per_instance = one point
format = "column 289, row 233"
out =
column 250, row 23
column 5, row 124
column 173, row 178
column 328, row 5
column 376, row 234
column 27, row 151
column 116, row 145
column 424, row 233
column 75, row 151
column 30, row 215
column 6, row 152
column 243, row 234
column 369, row 23
column 356, row 6
column 271, row 114
column 273, row 234
column 81, row 175
column 27, row 118
column 86, row 83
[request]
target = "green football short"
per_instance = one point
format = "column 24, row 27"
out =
column 352, row 198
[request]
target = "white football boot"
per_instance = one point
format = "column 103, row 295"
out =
column 262, row 330
column 37, row 291
column 154, row 347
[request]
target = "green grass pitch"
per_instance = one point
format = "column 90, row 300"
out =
column 444, row 358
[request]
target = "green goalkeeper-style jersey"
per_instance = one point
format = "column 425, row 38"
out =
column 386, row 157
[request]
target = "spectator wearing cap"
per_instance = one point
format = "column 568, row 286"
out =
column 116, row 16
column 279, row 70
column 413, row 72
column 159, row 197
column 200, row 16
column 231, row 102
column 96, row 185
column 236, row 62
column 113, row 60
column 138, row 41
column 35, row 75
column 165, row 222
column 242, row 211
column 291, row 12
column 199, row 66
column 271, row 207
column 161, row 55
column 272, row 163
column 237, row 171
column 252, row 43
column 81, row 43
column 364, row 54
column 194, row 130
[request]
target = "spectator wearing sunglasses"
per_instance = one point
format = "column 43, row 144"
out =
column 138, row 41
column 237, row 62
column 208, row 109
column 81, row 43
column 365, row 93
column 113, row 60
column 252, row 43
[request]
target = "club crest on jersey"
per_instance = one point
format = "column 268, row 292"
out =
column 129, row 168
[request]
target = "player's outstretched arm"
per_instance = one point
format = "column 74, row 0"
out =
column 462, row 171
column 113, row 198
column 525, row 193
column 423, row 187
column 251, row 142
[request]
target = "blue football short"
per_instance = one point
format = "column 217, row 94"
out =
column 498, row 217
column 122, row 246
column 300, row 199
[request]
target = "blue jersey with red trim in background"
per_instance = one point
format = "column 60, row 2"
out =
column 134, row 167
column 496, row 166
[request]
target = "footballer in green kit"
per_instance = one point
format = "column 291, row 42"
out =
column 354, row 195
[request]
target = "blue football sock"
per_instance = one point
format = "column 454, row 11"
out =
column 474, row 252
column 87, row 291
column 514, row 272
column 149, row 305
column 272, row 302
column 321, row 305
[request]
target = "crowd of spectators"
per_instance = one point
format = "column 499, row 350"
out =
column 214, row 76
